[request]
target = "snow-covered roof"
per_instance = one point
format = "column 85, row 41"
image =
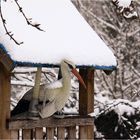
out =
column 67, row 35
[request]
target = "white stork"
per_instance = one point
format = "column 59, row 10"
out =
column 53, row 95
column 57, row 93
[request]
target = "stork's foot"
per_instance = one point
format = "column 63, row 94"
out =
column 59, row 115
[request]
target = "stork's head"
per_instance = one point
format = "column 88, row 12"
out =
column 72, row 68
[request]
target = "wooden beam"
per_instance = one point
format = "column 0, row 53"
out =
column 6, row 60
column 5, row 90
column 50, row 122
column 86, row 101
column 86, row 96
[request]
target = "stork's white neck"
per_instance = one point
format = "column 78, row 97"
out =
column 66, row 76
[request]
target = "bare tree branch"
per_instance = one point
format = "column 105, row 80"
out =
column 28, row 20
column 9, row 33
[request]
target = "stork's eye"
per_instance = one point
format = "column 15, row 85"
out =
column 70, row 66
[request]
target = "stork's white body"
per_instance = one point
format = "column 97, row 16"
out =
column 57, row 93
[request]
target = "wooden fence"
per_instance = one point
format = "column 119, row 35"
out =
column 68, row 128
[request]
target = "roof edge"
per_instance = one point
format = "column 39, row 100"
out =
column 30, row 64
column 10, row 63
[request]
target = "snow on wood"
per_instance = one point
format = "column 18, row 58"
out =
column 67, row 35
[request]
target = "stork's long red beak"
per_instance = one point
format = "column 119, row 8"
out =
column 75, row 72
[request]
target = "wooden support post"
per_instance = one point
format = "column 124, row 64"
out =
column 86, row 101
column 4, row 102
column 86, row 97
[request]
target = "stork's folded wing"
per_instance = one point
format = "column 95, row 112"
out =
column 55, row 85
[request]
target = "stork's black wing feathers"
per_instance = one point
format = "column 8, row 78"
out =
column 24, row 102
column 22, row 106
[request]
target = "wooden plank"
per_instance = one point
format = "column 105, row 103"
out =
column 90, row 132
column 50, row 122
column 39, row 133
column 82, row 132
column 61, row 133
column 86, row 132
column 5, row 89
column 72, row 133
column 27, row 134
column 50, row 133
column 14, row 135
column 86, row 101
column 86, row 96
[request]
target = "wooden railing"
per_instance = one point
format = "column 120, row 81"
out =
column 67, row 128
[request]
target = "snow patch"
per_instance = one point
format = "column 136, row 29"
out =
column 120, row 106
column 124, row 3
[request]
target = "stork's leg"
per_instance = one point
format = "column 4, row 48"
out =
column 33, row 107
column 33, row 110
